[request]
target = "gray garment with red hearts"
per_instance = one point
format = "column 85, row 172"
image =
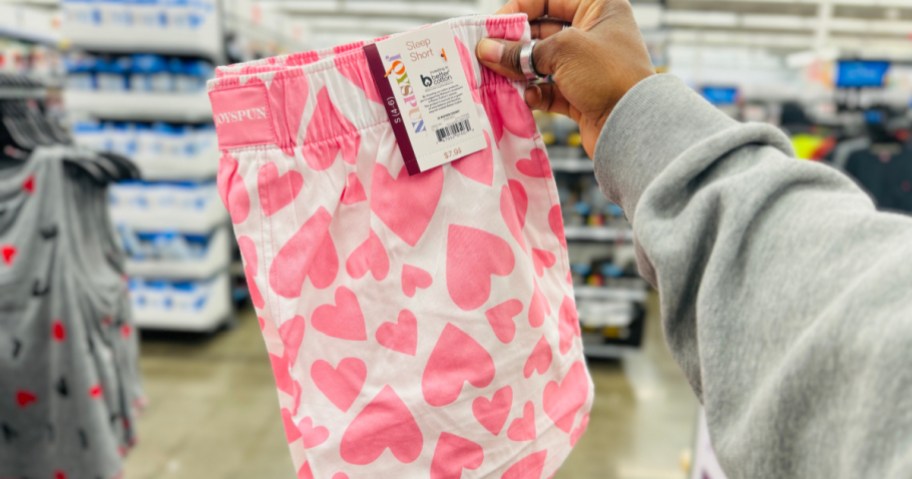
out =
column 68, row 377
column 785, row 295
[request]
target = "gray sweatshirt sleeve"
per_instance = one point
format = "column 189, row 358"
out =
column 785, row 297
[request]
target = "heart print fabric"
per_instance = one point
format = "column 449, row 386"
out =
column 418, row 326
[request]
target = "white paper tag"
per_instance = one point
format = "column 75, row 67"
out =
column 427, row 97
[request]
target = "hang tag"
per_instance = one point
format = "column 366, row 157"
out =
column 427, row 97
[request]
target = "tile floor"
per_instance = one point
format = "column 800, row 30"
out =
column 213, row 412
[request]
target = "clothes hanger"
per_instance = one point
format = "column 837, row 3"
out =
column 128, row 169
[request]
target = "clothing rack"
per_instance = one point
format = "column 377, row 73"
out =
column 69, row 378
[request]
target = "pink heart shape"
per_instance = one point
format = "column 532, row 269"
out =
column 312, row 436
column 455, row 360
column 249, row 255
column 292, row 334
column 453, row 454
column 569, row 326
column 542, row 259
column 277, row 191
column 579, row 431
column 406, row 204
column 497, row 28
column 288, row 93
column 492, row 413
column 292, row 433
column 468, row 68
column 329, row 133
column 563, row 400
column 529, row 467
column 478, row 166
column 556, row 221
column 506, row 110
column 539, row 360
column 473, row 256
column 344, row 320
column 231, row 189
column 515, row 113
column 342, row 384
column 520, row 200
column 537, row 166
column 310, row 253
column 510, row 211
column 538, row 307
column 305, row 472
column 501, row 319
column 282, row 374
column 385, row 423
column 370, row 256
column 523, row 428
column 413, row 278
column 354, row 190
column 401, row 336
column 358, row 73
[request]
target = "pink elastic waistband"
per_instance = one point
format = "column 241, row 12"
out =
column 264, row 102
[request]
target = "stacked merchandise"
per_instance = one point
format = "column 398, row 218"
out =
column 69, row 381
column 610, row 295
column 140, row 87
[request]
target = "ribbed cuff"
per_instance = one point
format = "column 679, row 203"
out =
column 654, row 123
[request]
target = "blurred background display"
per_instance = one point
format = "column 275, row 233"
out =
column 128, row 78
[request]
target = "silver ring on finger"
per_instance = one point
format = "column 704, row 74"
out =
column 527, row 64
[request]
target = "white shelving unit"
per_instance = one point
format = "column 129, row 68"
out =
column 215, row 260
column 591, row 293
column 156, row 168
column 201, row 221
column 29, row 24
column 188, row 29
column 571, row 165
column 216, row 311
column 172, row 107
column 602, row 233
column 144, row 39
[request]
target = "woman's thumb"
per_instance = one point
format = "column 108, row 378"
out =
column 502, row 56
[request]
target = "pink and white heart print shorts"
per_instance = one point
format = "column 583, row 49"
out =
column 418, row 326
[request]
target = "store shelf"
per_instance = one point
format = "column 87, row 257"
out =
column 29, row 24
column 217, row 310
column 588, row 233
column 571, row 165
column 606, row 314
column 199, row 221
column 173, row 107
column 215, row 260
column 587, row 293
column 159, row 168
column 594, row 347
column 145, row 40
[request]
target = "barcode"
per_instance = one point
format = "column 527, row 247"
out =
column 457, row 128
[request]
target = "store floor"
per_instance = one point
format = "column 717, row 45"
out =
column 213, row 412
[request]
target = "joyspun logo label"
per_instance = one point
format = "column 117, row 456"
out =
column 240, row 116
column 397, row 69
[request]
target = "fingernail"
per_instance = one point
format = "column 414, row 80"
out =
column 490, row 50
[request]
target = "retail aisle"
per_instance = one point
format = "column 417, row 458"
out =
column 213, row 412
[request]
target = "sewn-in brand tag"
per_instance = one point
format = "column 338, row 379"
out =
column 427, row 97
column 241, row 116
